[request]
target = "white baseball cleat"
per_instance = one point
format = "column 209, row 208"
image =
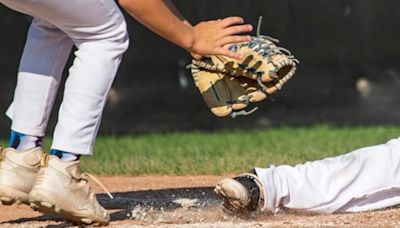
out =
column 243, row 193
column 61, row 188
column 18, row 171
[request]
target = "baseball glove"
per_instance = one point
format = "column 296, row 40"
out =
column 228, row 85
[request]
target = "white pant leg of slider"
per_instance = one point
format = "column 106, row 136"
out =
column 362, row 180
column 98, row 29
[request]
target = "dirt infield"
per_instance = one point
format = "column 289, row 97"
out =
column 187, row 201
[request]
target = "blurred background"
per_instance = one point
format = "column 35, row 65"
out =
column 349, row 72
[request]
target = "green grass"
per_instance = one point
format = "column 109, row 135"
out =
column 227, row 151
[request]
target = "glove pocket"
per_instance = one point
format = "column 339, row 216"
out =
column 214, row 91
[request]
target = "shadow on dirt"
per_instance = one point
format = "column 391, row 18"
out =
column 163, row 205
column 147, row 204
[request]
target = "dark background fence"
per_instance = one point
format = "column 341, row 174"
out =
column 349, row 72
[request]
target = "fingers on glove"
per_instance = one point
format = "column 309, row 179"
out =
column 236, row 29
column 229, row 21
column 233, row 39
column 226, row 52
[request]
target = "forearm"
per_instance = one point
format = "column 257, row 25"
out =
column 161, row 17
column 204, row 39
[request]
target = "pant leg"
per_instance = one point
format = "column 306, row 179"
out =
column 100, row 50
column 45, row 53
column 365, row 179
column 98, row 30
column 85, row 95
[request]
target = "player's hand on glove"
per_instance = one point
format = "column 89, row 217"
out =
column 228, row 85
column 210, row 37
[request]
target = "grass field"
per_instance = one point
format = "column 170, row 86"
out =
column 227, row 151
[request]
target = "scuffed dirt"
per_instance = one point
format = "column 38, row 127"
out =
column 187, row 201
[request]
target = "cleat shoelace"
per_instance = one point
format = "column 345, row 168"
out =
column 85, row 176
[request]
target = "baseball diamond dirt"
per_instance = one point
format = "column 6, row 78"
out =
column 187, row 201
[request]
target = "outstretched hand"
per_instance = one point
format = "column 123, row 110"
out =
column 209, row 37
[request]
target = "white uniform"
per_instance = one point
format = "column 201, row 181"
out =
column 365, row 179
column 98, row 29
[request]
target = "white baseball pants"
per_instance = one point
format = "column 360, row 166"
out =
column 365, row 179
column 98, row 29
